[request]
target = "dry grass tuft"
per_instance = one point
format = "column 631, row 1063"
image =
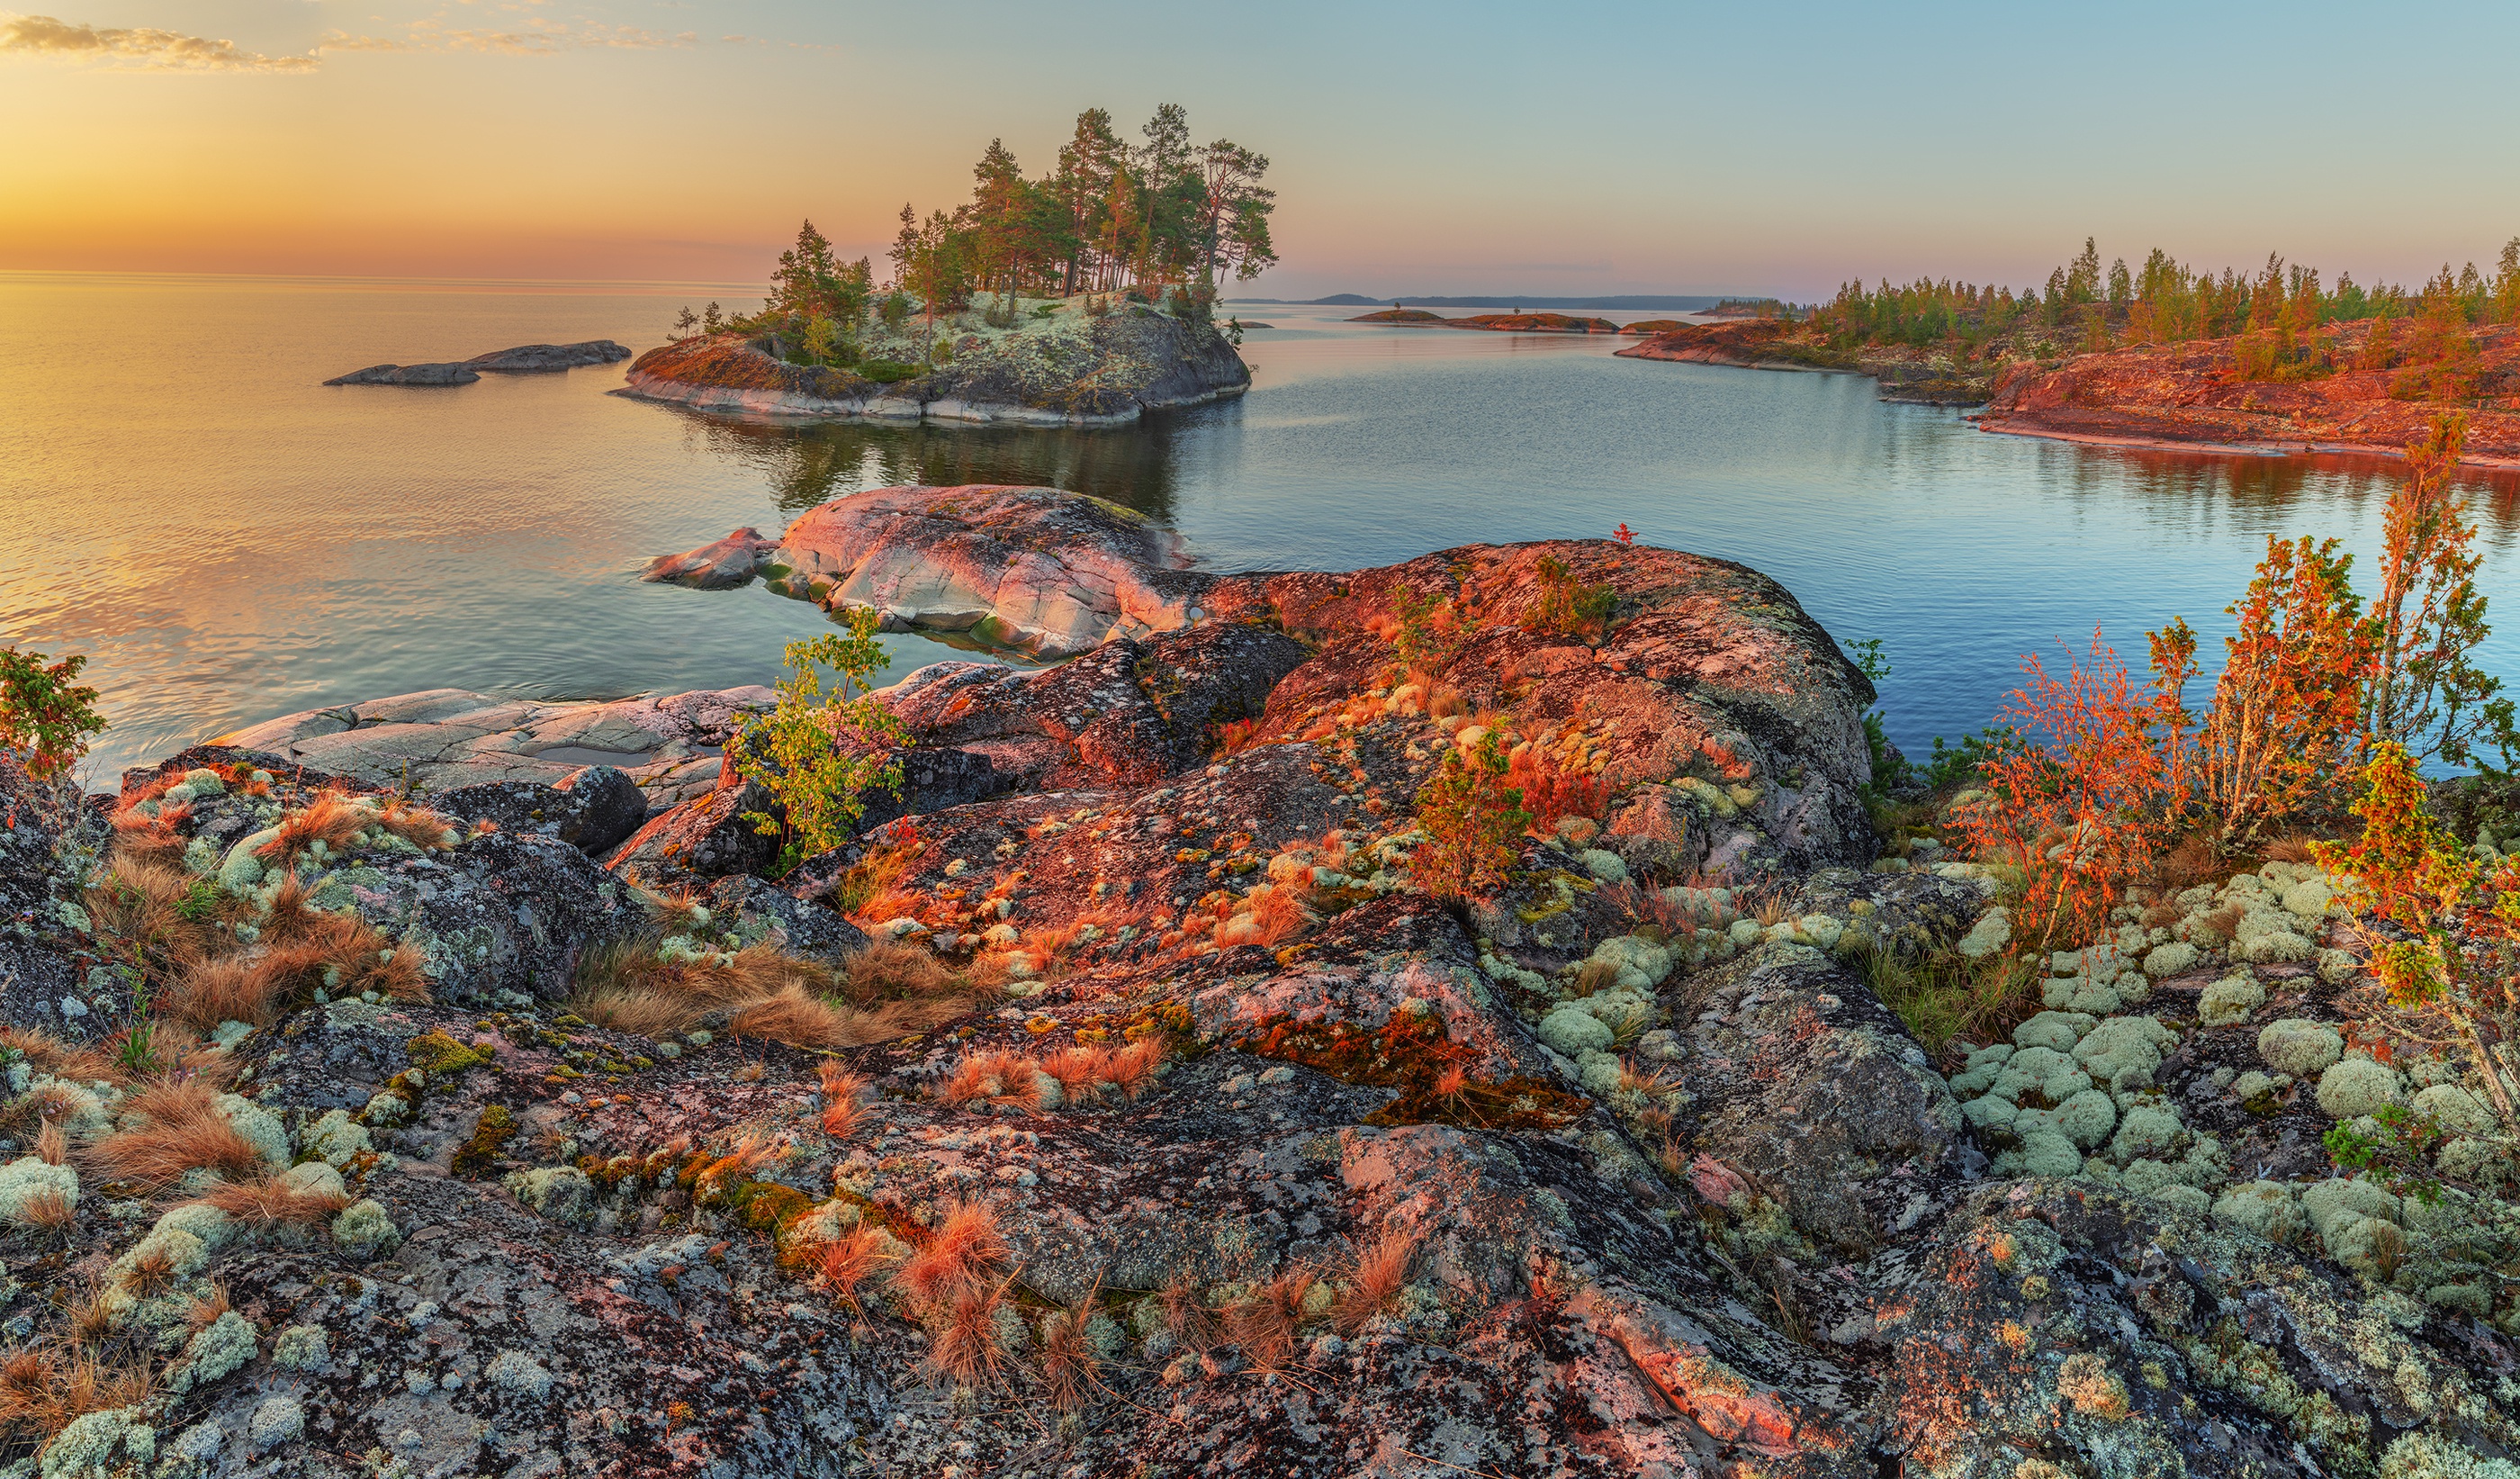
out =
column 843, row 1098
column 87, row 1315
column 995, row 1076
column 674, row 911
column 159, row 840
column 1377, row 1273
column 332, row 819
column 1086, row 1071
column 850, row 1259
column 41, row 1393
column 204, row 1311
column 765, row 992
column 1186, row 1315
column 143, row 904
column 962, row 1255
column 265, row 1203
column 53, row 1144
column 221, row 991
column 1264, row 1322
column 152, row 1271
column 48, row 1053
column 2291, row 849
column 1071, row 1374
column 890, row 971
column 47, row 1211
column 418, row 826
column 965, row 1349
column 181, row 1131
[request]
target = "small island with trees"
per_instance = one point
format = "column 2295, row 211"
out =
column 1085, row 299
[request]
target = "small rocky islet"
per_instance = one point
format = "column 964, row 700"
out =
column 522, row 359
column 1088, row 360
column 1141, row 1111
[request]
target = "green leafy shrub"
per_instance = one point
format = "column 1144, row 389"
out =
column 816, row 753
column 1568, row 607
column 890, row 372
column 46, row 717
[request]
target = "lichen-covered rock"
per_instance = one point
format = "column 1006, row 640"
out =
column 29, row 1179
column 101, row 1446
column 2229, row 1002
column 592, row 810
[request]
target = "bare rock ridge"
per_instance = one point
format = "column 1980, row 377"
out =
column 1029, row 569
column 523, row 359
column 1655, row 1184
column 1099, row 371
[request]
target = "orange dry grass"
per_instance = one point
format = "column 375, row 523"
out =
column 418, row 826
column 150, row 1271
column 1280, row 913
column 144, row 838
column 1087, row 1070
column 332, row 819
column 961, row 1256
column 41, row 1392
column 1071, row 1374
column 966, row 1350
column 53, row 1144
column 850, row 1259
column 221, row 991
column 266, row 1203
column 1187, row 1317
column 48, row 1053
column 843, row 1098
column 1379, row 1272
column 139, row 903
column 300, row 946
column 204, row 1311
column 182, row 1131
column 888, row 970
column 769, row 994
column 1264, row 1322
column 997, row 1075
column 47, row 1211
column 2290, row 849
column 676, row 908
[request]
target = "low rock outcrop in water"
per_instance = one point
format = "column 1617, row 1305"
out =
column 1580, row 1175
column 2190, row 395
column 1030, row 569
column 523, row 359
column 1069, row 371
column 1501, row 323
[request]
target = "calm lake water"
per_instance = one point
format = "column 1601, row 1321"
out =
column 228, row 540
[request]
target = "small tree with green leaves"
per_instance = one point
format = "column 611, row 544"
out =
column 685, row 323
column 2423, row 690
column 1471, row 820
column 46, row 717
column 819, row 753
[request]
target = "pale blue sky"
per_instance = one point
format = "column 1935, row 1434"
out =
column 1593, row 147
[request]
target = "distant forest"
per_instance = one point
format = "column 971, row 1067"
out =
column 2161, row 304
column 2281, row 314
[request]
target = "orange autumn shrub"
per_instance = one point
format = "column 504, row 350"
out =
column 2078, row 799
column 2462, row 963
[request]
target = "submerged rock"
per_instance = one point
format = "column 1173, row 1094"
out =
column 524, row 359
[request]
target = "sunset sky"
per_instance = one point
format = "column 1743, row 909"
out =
column 1422, row 148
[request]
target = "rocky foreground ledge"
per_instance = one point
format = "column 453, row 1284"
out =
column 1161, row 1123
column 1073, row 371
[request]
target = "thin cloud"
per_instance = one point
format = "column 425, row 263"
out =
column 541, row 40
column 139, row 48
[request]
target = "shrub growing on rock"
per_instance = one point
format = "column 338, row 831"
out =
column 1473, row 819
column 46, row 716
column 818, row 754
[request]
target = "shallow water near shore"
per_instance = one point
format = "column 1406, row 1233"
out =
column 230, row 540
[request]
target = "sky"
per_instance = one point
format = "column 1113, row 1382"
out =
column 1419, row 148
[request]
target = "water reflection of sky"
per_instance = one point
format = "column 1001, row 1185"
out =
column 230, row 541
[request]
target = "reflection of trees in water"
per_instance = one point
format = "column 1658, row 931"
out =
column 807, row 465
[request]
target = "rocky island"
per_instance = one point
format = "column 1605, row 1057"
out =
column 1499, row 322
column 1430, row 1019
column 1061, row 363
column 523, row 359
